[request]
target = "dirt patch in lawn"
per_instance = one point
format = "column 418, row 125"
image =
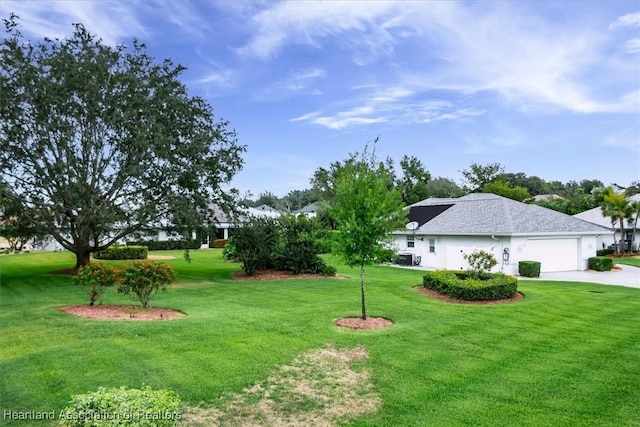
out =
column 280, row 275
column 320, row 388
column 369, row 323
column 121, row 312
column 436, row 295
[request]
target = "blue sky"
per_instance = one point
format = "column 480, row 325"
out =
column 546, row 88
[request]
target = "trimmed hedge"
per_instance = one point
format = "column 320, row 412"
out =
column 600, row 263
column 529, row 268
column 123, row 407
column 469, row 287
column 604, row 252
column 168, row 245
column 122, row 252
column 218, row 243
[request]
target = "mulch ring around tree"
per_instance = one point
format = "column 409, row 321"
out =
column 121, row 312
column 279, row 275
column 436, row 295
column 368, row 324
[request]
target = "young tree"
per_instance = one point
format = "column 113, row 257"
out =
column 366, row 211
column 100, row 141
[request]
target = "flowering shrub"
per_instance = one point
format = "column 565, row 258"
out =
column 142, row 280
column 481, row 261
column 95, row 278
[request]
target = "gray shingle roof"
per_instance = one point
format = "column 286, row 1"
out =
column 484, row 214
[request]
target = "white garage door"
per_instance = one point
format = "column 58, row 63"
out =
column 553, row 254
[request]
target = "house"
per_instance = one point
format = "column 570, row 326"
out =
column 595, row 216
column 442, row 231
column 311, row 210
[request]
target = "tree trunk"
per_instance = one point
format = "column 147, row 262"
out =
column 364, row 306
column 83, row 257
column 622, row 240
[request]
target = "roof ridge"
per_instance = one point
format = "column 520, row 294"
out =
column 507, row 214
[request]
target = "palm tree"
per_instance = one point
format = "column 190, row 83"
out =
column 617, row 207
column 635, row 210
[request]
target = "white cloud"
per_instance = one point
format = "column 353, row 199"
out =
column 632, row 46
column 114, row 22
column 628, row 20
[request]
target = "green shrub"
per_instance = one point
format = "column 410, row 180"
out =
column 600, row 263
column 255, row 242
column 470, row 287
column 122, row 252
column 95, row 279
column 229, row 252
column 529, row 268
column 142, row 280
column 297, row 250
column 480, row 261
column 604, row 252
column 168, row 245
column 123, row 407
column 218, row 243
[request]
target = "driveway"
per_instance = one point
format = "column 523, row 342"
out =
column 627, row 276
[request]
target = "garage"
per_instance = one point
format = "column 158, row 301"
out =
column 553, row 254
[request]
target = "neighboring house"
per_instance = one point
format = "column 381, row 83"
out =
column 595, row 216
column 311, row 210
column 442, row 231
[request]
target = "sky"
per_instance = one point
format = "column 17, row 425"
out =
column 547, row 88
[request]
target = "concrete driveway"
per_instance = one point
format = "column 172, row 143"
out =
column 627, row 276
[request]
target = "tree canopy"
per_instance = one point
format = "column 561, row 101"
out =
column 100, row 142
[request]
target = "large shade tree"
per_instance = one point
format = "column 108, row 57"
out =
column 100, row 141
column 366, row 211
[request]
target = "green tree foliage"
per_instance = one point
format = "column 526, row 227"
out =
column 444, row 188
column 18, row 223
column 366, row 211
column 533, row 184
column 255, row 241
column 101, row 141
column 297, row 248
column 478, row 175
column 414, row 183
column 503, row 189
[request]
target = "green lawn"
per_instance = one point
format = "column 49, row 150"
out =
column 566, row 355
column 634, row 261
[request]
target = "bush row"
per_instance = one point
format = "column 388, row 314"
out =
column 600, row 263
column 122, row 252
column 604, row 252
column 471, row 287
column 218, row 243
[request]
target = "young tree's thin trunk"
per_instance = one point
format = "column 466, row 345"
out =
column 364, row 306
column 83, row 257
column 622, row 248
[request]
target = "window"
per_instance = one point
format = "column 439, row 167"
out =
column 432, row 246
column 411, row 242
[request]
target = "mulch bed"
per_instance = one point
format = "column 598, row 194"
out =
column 121, row 312
column 358, row 323
column 436, row 295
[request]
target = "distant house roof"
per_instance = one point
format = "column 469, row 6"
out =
column 311, row 208
column 595, row 215
column 547, row 197
column 489, row 214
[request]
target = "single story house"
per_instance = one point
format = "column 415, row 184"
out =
column 595, row 216
column 311, row 210
column 441, row 232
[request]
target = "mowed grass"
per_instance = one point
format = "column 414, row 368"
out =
column 566, row 355
column 632, row 260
